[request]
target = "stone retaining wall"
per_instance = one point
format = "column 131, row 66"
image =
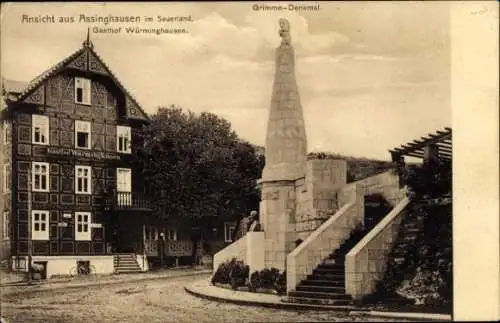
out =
column 385, row 184
column 249, row 249
column 328, row 237
column 367, row 261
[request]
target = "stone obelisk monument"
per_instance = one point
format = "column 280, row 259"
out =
column 285, row 155
column 286, row 144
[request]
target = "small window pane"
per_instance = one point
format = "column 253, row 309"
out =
column 79, row 94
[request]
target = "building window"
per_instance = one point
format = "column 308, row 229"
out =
column 40, row 177
column 172, row 234
column 6, row 132
column 6, row 178
column 82, row 134
column 40, row 225
column 82, row 90
column 83, row 176
column 124, row 180
column 82, row 226
column 40, row 129
column 151, row 232
column 124, row 139
column 228, row 231
column 6, row 226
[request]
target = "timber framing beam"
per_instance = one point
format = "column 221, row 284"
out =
column 442, row 140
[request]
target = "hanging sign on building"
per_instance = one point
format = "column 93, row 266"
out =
column 100, row 155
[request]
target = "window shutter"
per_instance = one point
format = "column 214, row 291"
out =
column 124, row 180
column 86, row 91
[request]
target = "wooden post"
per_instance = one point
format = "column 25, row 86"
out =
column 30, row 233
column 162, row 242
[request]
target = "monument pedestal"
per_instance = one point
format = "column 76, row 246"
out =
column 277, row 217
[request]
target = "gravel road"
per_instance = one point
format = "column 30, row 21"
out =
column 153, row 301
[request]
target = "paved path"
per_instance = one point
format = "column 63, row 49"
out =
column 203, row 288
column 161, row 300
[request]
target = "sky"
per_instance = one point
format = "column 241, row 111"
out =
column 371, row 75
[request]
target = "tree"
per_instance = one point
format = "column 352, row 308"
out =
column 198, row 170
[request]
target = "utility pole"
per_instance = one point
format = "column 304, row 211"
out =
column 30, row 234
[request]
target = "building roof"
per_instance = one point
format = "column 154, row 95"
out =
column 11, row 86
column 441, row 139
column 22, row 89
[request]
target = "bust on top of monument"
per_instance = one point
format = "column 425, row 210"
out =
column 284, row 32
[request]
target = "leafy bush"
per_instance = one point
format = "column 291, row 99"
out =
column 221, row 275
column 238, row 275
column 280, row 284
column 233, row 272
column 268, row 279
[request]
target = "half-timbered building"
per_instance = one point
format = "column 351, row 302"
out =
column 70, row 197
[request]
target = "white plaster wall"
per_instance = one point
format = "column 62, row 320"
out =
column 66, row 265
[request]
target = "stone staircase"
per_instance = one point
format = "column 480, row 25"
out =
column 326, row 284
column 416, row 244
column 126, row 263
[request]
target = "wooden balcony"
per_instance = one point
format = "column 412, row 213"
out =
column 133, row 201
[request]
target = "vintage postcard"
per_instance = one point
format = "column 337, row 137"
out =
column 249, row 161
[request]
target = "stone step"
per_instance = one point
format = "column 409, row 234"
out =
column 124, row 258
column 128, row 271
column 339, row 252
column 338, row 258
column 317, row 301
column 321, row 289
column 318, row 282
column 321, row 295
column 329, row 271
column 128, row 266
column 333, row 265
column 125, row 261
column 336, row 262
column 135, row 265
column 331, row 277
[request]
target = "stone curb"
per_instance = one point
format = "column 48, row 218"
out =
column 412, row 316
column 351, row 310
column 94, row 283
column 277, row 305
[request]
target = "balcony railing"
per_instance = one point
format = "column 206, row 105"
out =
column 128, row 201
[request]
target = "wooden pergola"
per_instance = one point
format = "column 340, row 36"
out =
column 437, row 145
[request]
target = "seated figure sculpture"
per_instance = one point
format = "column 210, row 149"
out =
column 247, row 223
